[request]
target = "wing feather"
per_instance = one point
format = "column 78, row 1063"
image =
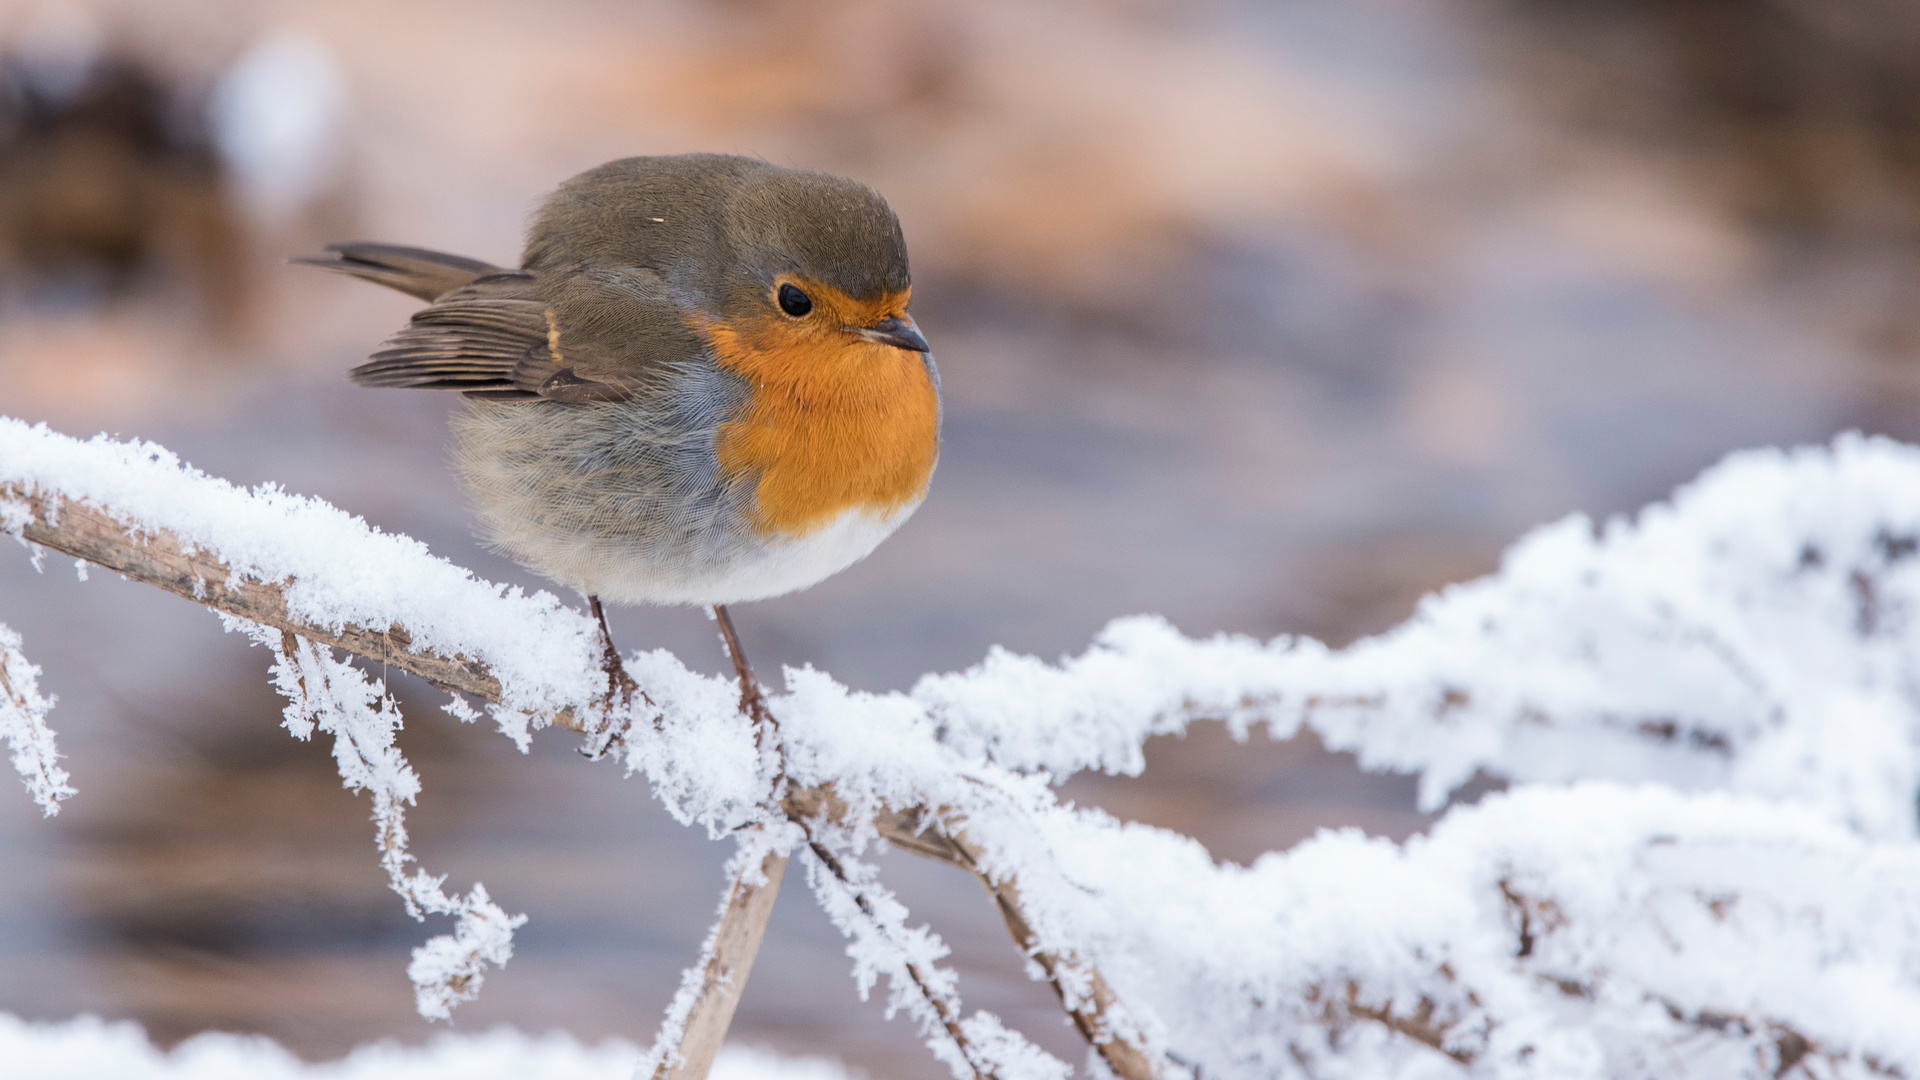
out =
column 488, row 337
column 486, row 331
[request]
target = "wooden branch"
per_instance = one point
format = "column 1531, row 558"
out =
column 736, row 940
column 159, row 558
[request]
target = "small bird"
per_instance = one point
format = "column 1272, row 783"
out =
column 702, row 385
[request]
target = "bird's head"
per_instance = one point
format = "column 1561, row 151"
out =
column 819, row 277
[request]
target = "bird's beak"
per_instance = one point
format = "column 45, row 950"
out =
column 897, row 331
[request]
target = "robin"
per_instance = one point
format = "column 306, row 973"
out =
column 702, row 385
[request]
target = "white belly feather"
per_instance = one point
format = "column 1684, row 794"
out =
column 781, row 567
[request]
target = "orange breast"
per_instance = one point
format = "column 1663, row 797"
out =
column 833, row 423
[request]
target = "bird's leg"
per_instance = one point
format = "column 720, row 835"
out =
column 752, row 701
column 618, row 681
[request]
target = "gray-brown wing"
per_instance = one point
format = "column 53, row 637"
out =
column 490, row 338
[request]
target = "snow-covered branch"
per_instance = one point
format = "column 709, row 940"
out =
column 1758, row 633
column 1708, row 865
column 297, row 570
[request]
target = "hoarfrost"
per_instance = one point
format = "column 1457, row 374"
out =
column 1708, row 865
column 334, row 570
column 23, row 725
column 339, row 700
column 1755, row 634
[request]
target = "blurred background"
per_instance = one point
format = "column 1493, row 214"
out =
column 1265, row 315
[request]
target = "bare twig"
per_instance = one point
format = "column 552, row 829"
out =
column 159, row 558
column 728, row 958
column 1420, row 1026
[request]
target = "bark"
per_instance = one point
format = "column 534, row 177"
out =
column 735, row 942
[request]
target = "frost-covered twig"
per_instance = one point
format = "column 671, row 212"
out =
column 854, row 909
column 23, row 726
column 160, row 557
column 1759, row 632
column 701, row 1012
column 1089, row 1000
column 1083, row 992
column 339, row 700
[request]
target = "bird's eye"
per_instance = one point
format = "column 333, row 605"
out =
column 794, row 302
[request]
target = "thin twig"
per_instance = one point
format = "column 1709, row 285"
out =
column 735, row 938
column 935, row 834
column 1092, row 1011
column 941, row 1004
column 753, row 703
column 727, row 958
column 158, row 558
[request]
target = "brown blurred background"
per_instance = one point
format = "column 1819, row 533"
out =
column 1267, row 315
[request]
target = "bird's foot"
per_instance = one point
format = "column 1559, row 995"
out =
column 621, row 689
column 753, row 702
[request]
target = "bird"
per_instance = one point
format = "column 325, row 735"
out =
column 701, row 385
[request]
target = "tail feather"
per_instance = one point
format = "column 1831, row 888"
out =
column 428, row 275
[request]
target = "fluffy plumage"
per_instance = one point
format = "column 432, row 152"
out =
column 650, row 424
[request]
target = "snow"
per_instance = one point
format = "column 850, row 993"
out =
column 1707, row 865
column 335, row 570
column 23, row 726
column 1602, row 926
column 1755, row 634
column 339, row 700
column 87, row 1048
